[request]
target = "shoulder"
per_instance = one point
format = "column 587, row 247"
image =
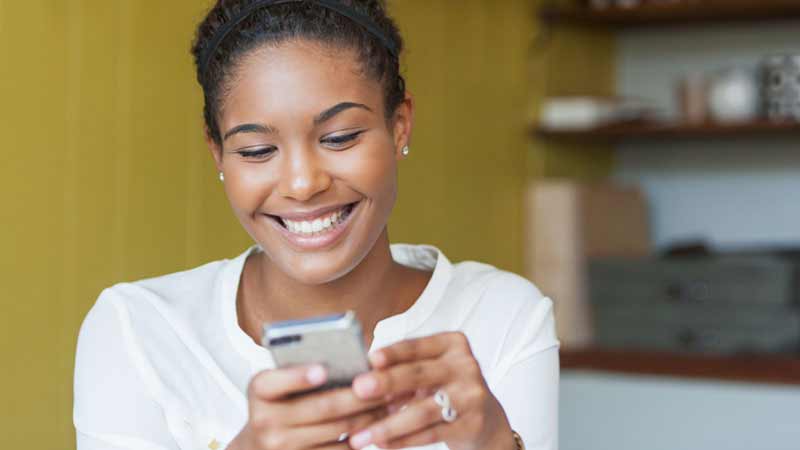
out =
column 506, row 317
column 173, row 288
column 183, row 296
column 189, row 289
column 467, row 285
column 499, row 298
column 495, row 288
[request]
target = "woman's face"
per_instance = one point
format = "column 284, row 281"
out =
column 309, row 160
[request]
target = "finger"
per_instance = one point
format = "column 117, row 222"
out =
column 334, row 432
column 402, row 378
column 276, row 384
column 419, row 415
column 419, row 348
column 325, row 406
column 398, row 402
column 422, row 393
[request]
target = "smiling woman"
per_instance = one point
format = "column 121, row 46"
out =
column 307, row 119
column 305, row 137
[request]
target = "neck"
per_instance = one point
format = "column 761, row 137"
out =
column 374, row 290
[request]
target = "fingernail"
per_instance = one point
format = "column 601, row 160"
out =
column 377, row 358
column 365, row 386
column 316, row 375
column 361, row 440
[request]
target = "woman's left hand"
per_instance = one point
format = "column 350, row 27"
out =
column 424, row 365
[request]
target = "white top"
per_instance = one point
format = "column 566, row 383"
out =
column 163, row 364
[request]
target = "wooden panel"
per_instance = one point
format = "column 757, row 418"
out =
column 674, row 131
column 679, row 13
column 747, row 368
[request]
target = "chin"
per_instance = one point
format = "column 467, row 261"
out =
column 315, row 270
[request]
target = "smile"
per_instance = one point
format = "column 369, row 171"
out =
column 316, row 232
column 318, row 225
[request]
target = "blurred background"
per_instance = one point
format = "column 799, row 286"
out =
column 637, row 159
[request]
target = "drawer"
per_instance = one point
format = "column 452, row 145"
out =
column 701, row 329
column 717, row 281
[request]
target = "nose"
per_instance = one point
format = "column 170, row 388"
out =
column 303, row 175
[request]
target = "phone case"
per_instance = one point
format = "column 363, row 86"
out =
column 333, row 341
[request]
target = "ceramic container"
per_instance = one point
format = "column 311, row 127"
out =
column 782, row 87
column 734, row 96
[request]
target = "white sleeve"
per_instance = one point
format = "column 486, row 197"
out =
column 113, row 407
column 529, row 395
column 526, row 380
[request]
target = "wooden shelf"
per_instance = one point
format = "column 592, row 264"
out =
column 682, row 13
column 753, row 369
column 675, row 131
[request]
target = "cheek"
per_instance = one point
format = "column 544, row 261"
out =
column 248, row 185
column 384, row 182
column 374, row 173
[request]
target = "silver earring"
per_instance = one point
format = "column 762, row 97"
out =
column 405, row 151
column 221, row 177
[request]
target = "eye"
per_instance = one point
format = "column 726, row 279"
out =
column 343, row 140
column 258, row 153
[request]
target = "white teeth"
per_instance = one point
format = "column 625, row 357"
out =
column 318, row 225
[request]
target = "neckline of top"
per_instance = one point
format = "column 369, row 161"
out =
column 420, row 256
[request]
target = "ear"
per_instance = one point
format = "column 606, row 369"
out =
column 214, row 148
column 403, row 124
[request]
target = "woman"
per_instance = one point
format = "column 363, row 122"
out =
column 307, row 119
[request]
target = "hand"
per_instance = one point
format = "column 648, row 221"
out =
column 317, row 420
column 443, row 361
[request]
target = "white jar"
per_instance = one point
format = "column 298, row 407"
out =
column 734, row 96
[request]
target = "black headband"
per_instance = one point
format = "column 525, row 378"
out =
column 332, row 5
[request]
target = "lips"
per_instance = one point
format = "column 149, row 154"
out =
column 318, row 221
column 321, row 228
column 317, row 224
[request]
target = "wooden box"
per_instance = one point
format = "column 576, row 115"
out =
column 569, row 223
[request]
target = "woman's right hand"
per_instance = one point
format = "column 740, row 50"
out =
column 280, row 421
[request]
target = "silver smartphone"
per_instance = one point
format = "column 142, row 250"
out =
column 334, row 341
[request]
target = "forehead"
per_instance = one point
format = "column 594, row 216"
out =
column 294, row 81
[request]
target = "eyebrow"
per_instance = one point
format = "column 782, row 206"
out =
column 249, row 128
column 320, row 118
column 330, row 112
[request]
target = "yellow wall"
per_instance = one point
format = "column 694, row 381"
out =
column 461, row 187
column 479, row 70
column 568, row 60
column 105, row 176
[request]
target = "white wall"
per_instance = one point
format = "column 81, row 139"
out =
column 737, row 192
column 615, row 412
column 734, row 193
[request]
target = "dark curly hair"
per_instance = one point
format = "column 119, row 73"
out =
column 295, row 20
